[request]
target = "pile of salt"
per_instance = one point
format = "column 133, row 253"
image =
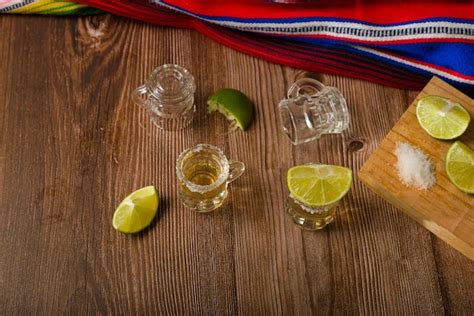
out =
column 415, row 169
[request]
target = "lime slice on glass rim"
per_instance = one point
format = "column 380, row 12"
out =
column 136, row 211
column 441, row 118
column 317, row 184
column 460, row 166
column 234, row 105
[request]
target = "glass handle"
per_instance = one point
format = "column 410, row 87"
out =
column 137, row 96
column 236, row 169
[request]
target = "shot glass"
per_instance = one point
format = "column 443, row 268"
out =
column 204, row 174
column 312, row 109
column 307, row 217
column 168, row 97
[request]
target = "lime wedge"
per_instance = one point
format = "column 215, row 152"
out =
column 235, row 105
column 136, row 211
column 441, row 118
column 319, row 185
column 460, row 166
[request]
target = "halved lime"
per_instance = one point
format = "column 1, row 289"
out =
column 235, row 105
column 136, row 211
column 441, row 118
column 319, row 185
column 460, row 166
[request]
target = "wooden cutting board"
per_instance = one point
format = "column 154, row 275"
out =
column 443, row 209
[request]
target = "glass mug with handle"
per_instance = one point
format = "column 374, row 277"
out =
column 204, row 173
column 168, row 96
column 312, row 109
column 315, row 192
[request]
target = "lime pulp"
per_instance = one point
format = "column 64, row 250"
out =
column 318, row 184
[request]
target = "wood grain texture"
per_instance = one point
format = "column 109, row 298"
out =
column 72, row 145
column 443, row 209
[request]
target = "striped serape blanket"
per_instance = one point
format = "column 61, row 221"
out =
column 395, row 43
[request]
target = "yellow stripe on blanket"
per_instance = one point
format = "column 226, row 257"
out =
column 47, row 7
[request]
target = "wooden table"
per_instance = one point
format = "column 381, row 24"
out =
column 72, row 146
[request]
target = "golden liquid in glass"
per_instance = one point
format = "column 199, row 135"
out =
column 202, row 168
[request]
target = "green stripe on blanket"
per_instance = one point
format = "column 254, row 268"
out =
column 45, row 7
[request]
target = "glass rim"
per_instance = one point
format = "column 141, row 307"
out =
column 314, row 209
column 223, row 176
column 294, row 90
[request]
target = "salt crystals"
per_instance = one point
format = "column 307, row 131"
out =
column 415, row 169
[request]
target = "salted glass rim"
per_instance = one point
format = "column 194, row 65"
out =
column 223, row 176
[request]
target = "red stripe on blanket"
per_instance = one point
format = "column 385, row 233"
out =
column 378, row 12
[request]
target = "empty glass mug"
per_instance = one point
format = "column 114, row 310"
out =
column 204, row 173
column 311, row 110
column 310, row 217
column 168, row 96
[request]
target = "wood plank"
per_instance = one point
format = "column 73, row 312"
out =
column 443, row 209
column 72, row 145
